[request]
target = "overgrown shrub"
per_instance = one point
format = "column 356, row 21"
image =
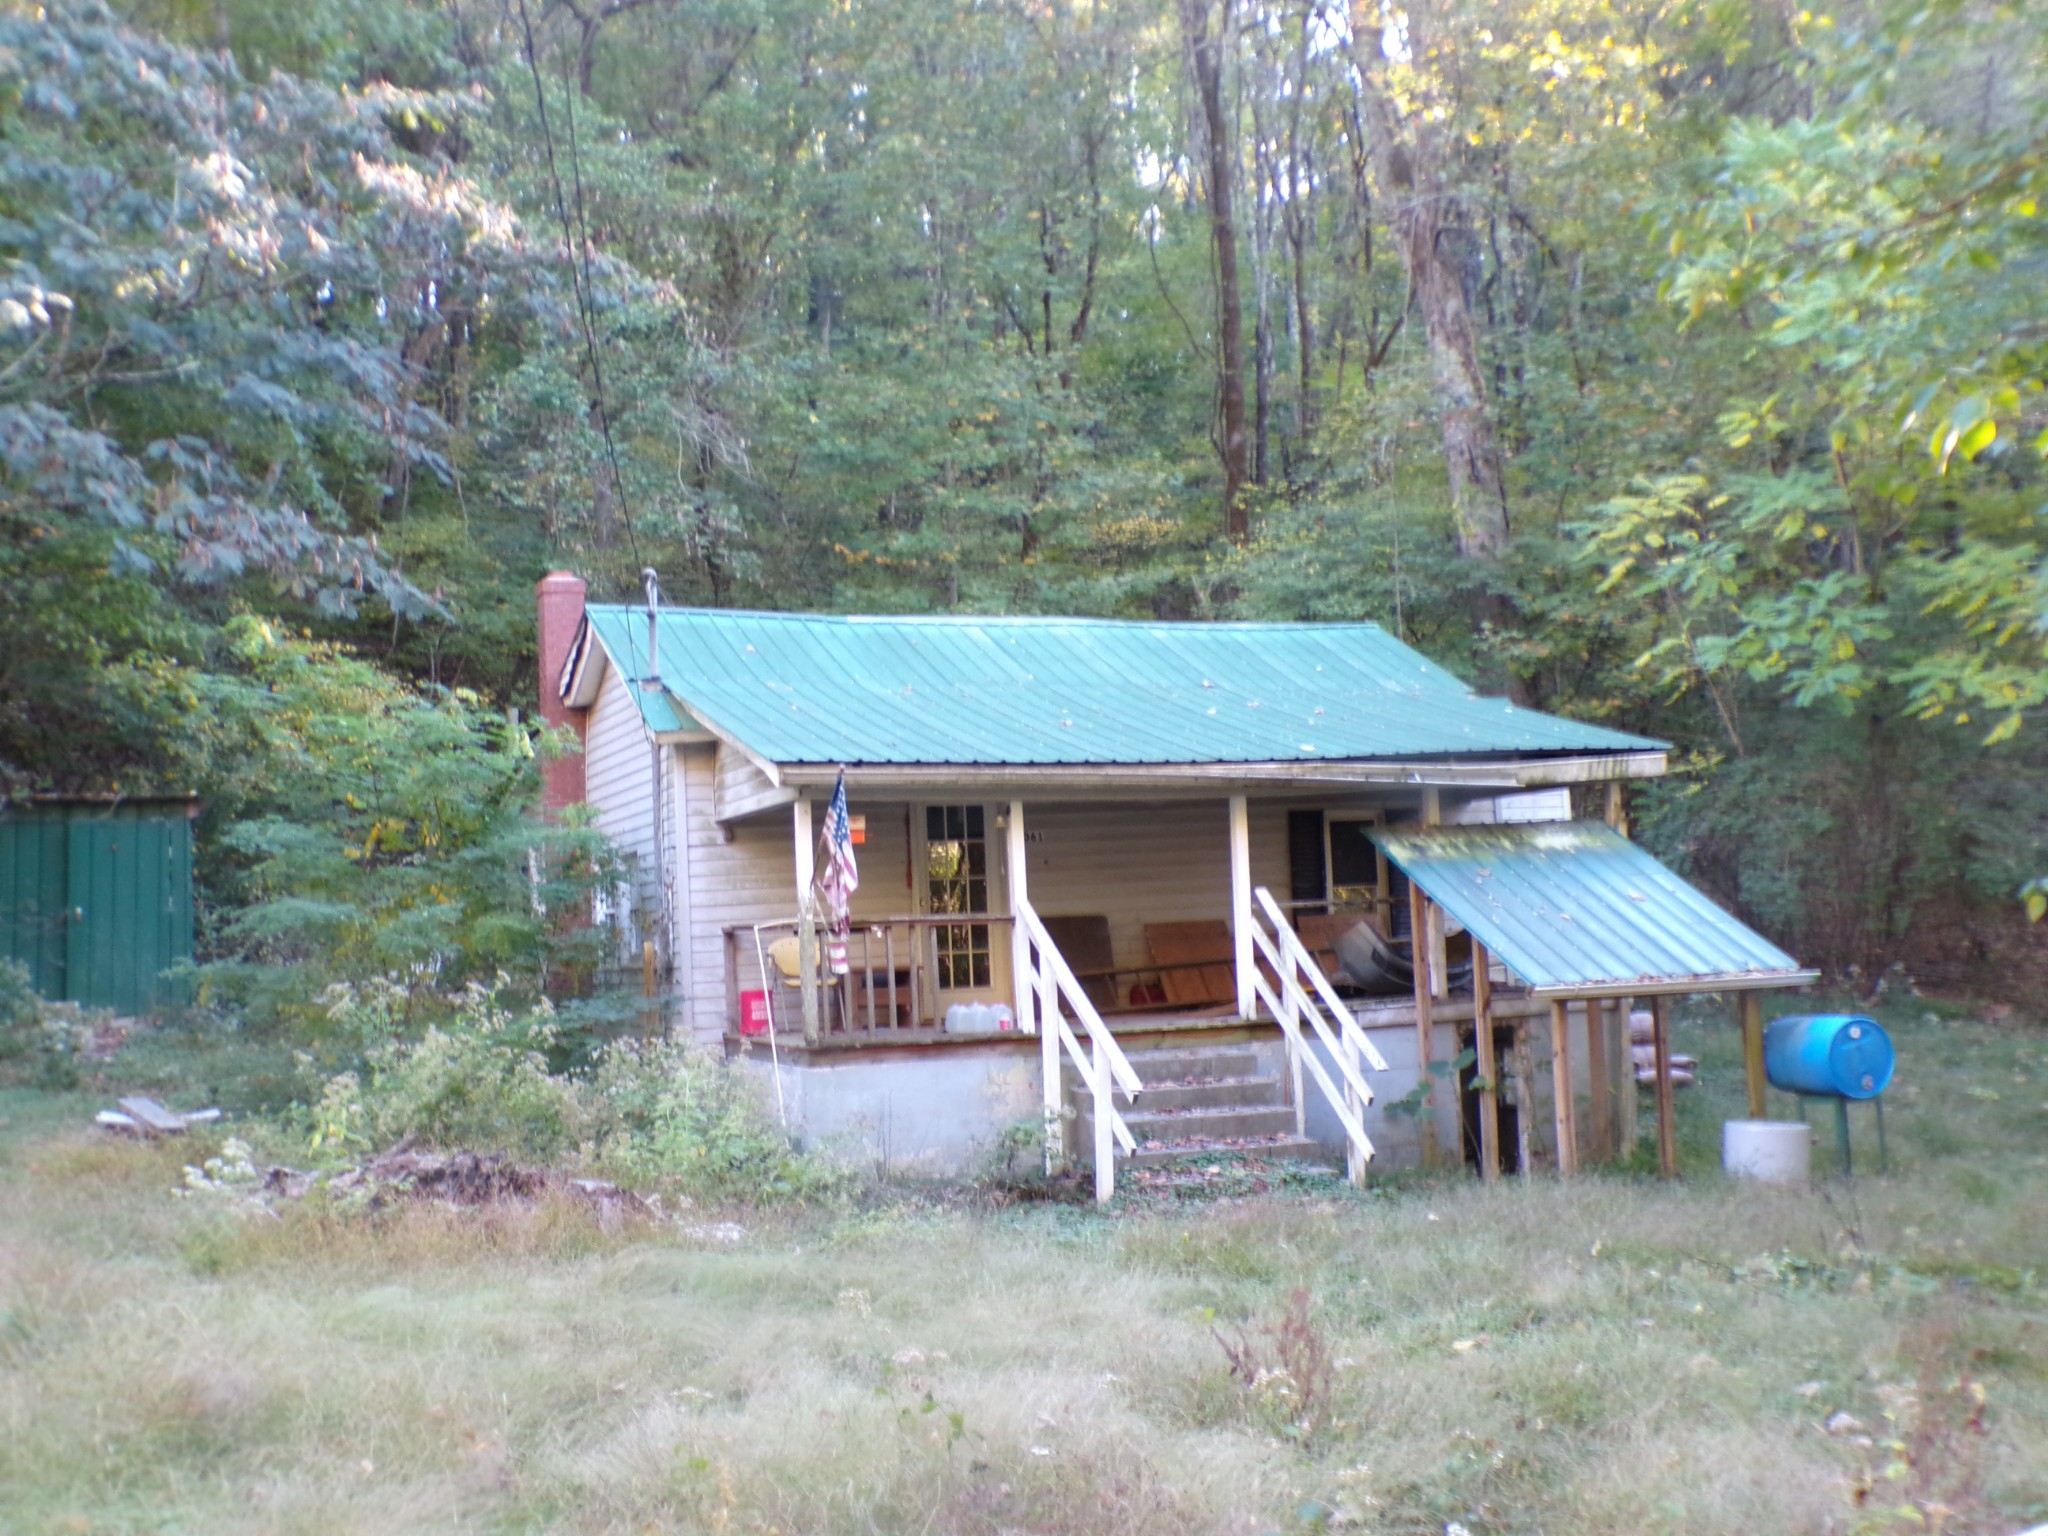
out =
column 384, row 835
column 477, row 1080
column 652, row 1114
column 662, row 1113
column 41, row 1043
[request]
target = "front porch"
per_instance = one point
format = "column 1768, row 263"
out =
column 953, row 1025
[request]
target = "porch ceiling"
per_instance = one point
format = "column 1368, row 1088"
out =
column 795, row 689
column 1577, row 910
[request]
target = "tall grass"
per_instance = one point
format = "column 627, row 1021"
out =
column 1609, row 1356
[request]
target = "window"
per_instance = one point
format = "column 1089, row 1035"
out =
column 1354, row 864
column 956, row 882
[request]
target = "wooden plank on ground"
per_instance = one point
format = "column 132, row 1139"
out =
column 152, row 1116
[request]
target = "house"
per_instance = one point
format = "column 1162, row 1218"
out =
column 1110, row 874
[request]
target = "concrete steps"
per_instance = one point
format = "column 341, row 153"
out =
column 1199, row 1101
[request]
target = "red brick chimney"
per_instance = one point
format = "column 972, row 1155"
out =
column 560, row 599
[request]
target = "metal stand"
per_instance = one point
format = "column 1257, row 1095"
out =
column 1842, row 1129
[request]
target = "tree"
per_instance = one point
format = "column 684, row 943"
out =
column 1207, row 37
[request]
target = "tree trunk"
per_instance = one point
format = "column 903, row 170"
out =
column 1262, row 206
column 1301, row 228
column 1411, row 160
column 1205, row 59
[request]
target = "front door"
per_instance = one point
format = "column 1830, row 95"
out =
column 963, row 880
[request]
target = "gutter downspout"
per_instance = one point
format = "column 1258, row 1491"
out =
column 664, row 865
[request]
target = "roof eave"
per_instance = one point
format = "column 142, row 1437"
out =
column 1674, row 986
column 1496, row 774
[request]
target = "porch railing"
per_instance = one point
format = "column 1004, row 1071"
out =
column 900, row 971
column 1291, row 984
column 1047, row 994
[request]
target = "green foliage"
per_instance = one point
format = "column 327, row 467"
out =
column 41, row 1044
column 664, row 1114
column 655, row 1114
column 386, row 830
column 306, row 311
column 478, row 1081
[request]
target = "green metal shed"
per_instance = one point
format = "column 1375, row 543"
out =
column 96, row 897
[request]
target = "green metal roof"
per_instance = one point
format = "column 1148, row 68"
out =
column 800, row 688
column 1576, row 909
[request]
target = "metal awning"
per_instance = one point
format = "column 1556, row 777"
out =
column 1577, row 910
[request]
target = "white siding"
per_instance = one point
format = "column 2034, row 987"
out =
column 742, row 788
column 1529, row 805
column 1137, row 864
column 750, row 879
column 618, row 776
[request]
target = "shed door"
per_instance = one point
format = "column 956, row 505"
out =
column 130, row 919
column 35, row 906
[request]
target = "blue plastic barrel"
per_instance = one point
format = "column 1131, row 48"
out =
column 1841, row 1055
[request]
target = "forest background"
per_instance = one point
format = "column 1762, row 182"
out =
column 1676, row 364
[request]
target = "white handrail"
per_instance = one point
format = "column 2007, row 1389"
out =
column 1334, row 1025
column 1078, row 1000
column 1103, row 1067
column 1302, row 1003
column 1353, row 1126
column 1298, row 952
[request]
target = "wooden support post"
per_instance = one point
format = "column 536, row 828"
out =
column 1241, row 906
column 806, row 923
column 1667, row 1119
column 1020, row 898
column 1631, row 1107
column 1617, row 812
column 1562, row 1109
column 1425, row 1023
column 1439, row 959
column 648, row 1017
column 1525, row 1101
column 1484, row 1063
column 1596, row 1077
column 1751, row 1008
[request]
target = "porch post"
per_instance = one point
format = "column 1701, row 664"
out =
column 1020, row 941
column 1241, row 902
column 1483, row 1060
column 1425, row 1023
column 1597, row 1078
column 1563, row 1111
column 806, row 925
column 1751, row 1008
column 1667, row 1128
column 1439, row 958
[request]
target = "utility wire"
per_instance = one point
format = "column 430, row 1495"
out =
column 579, row 278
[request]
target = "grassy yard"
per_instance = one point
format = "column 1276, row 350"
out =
column 1611, row 1356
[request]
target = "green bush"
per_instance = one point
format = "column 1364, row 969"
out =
column 658, row 1112
column 649, row 1113
column 41, row 1043
column 478, row 1080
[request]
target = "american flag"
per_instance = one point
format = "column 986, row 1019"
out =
column 838, row 878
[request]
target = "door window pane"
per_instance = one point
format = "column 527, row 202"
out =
column 956, row 882
column 1354, row 866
